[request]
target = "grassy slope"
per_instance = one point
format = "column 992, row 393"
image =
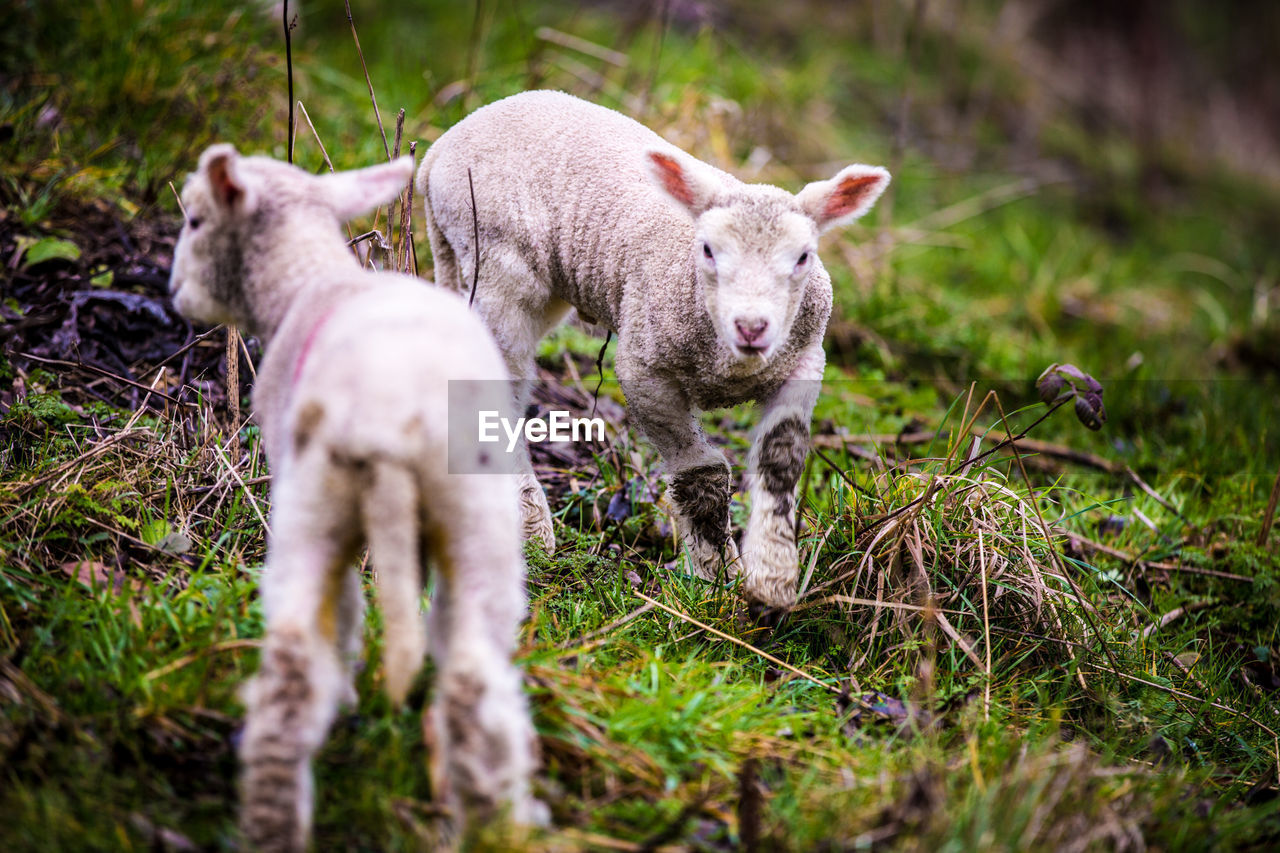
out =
column 119, row 719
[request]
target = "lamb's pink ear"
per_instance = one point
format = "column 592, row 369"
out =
column 219, row 165
column 361, row 190
column 684, row 185
column 842, row 199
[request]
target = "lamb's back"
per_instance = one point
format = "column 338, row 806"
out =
column 562, row 183
column 379, row 364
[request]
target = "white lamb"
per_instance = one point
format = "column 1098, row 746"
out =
column 713, row 286
column 351, row 398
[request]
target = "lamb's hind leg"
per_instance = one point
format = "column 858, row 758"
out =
column 520, row 310
column 770, row 559
column 480, row 717
column 698, row 477
column 291, row 701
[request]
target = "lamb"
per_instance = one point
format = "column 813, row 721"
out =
column 350, row 398
column 713, row 286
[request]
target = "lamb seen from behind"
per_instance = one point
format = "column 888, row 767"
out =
column 351, row 398
column 713, row 286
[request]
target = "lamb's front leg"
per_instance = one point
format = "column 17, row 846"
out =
column 697, row 474
column 770, row 559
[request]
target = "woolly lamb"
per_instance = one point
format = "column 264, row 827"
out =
column 351, row 398
column 713, row 286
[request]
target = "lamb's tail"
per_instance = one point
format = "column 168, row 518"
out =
column 445, row 261
column 391, row 518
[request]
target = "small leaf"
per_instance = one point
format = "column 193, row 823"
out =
column 1090, row 415
column 49, row 249
column 103, row 279
column 619, row 506
column 1050, row 386
column 176, row 542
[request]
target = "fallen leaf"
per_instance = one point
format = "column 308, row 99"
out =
column 96, row 576
column 50, row 249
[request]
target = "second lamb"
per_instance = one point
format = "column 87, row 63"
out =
column 713, row 286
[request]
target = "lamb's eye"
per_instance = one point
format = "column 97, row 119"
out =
column 194, row 222
column 706, row 252
column 804, row 256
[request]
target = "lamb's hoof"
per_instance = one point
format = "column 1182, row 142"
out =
column 766, row 615
column 535, row 514
column 542, row 533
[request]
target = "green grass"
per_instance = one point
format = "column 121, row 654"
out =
column 1096, row 725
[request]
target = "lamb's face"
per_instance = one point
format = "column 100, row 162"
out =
column 755, row 245
column 206, row 267
column 754, row 256
column 243, row 212
column 208, row 279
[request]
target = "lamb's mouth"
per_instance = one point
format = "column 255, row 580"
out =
column 749, row 350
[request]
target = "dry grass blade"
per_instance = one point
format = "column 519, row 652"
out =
column 365, row 68
column 185, row 660
column 953, row 533
column 581, row 45
column 248, row 493
column 744, row 644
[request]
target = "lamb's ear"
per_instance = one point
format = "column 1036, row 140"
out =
column 691, row 190
column 220, row 166
column 361, row 190
column 842, row 199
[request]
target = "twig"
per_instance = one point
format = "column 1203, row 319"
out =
column 233, row 386
column 368, row 235
column 288, row 61
column 93, row 368
column 179, row 200
column 475, row 238
column 386, row 149
column 744, row 644
column 595, row 395
column 1029, row 445
column 1177, row 613
column 843, row 475
column 393, row 256
column 406, row 216
column 1083, row 543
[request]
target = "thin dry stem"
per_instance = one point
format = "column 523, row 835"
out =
column 743, row 643
column 365, row 68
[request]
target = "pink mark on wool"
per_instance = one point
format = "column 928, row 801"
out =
column 307, row 344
